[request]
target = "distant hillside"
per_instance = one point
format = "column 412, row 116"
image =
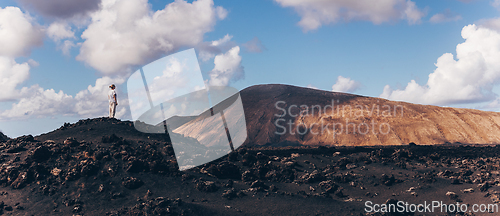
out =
column 273, row 117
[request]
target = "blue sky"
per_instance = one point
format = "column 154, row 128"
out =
column 61, row 64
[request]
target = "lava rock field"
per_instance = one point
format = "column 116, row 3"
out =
column 86, row 170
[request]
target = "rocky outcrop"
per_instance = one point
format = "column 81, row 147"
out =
column 3, row 137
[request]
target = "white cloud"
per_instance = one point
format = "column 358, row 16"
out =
column 315, row 13
column 208, row 50
column 221, row 12
column 222, row 41
column 496, row 4
column 121, row 33
column 58, row 31
column 344, row 84
column 227, row 68
column 62, row 8
column 127, row 32
column 311, row 86
column 66, row 46
column 413, row 14
column 171, row 79
column 447, row 16
column 18, row 33
column 93, row 101
column 493, row 24
column 467, row 79
column 12, row 74
column 33, row 63
column 39, row 102
column 254, row 45
column 492, row 106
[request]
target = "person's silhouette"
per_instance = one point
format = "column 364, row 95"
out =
column 112, row 101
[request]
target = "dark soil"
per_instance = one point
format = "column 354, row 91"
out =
column 105, row 167
column 3, row 137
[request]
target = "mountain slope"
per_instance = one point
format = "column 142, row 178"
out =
column 389, row 122
column 283, row 114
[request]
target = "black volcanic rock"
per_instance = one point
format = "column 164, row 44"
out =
column 41, row 153
column 110, row 139
column 230, row 194
column 206, row 186
column 25, row 138
column 224, row 170
column 3, row 137
column 120, row 177
column 132, row 183
column 259, row 185
column 16, row 149
column 70, row 141
column 94, row 130
column 135, row 166
column 21, row 180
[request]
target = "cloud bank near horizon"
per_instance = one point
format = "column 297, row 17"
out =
column 468, row 77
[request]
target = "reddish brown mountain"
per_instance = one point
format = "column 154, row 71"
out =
column 285, row 115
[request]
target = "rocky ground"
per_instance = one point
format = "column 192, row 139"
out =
column 103, row 167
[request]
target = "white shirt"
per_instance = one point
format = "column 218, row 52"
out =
column 112, row 95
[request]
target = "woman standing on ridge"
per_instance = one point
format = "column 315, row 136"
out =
column 112, row 101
